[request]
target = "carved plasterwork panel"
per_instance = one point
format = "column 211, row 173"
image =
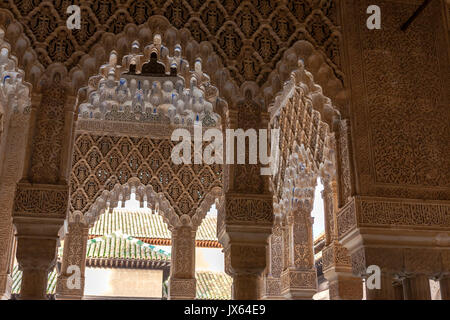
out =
column 400, row 100
column 102, row 161
column 294, row 112
column 378, row 212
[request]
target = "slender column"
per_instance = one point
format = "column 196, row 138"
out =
column 182, row 282
column 272, row 280
column 71, row 280
column 444, row 284
column 247, row 263
column 337, row 267
column 245, row 244
column 398, row 289
column 299, row 277
column 246, row 220
column 387, row 290
column 416, row 287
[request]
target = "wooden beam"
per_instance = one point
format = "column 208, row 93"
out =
column 415, row 15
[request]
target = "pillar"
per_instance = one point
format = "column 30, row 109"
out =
column 42, row 194
column 37, row 240
column 12, row 152
column 272, row 280
column 398, row 289
column 416, row 287
column 389, row 208
column 182, row 282
column 444, row 284
column 390, row 262
column 337, row 267
column 245, row 219
column 71, row 279
column 299, row 277
column 245, row 242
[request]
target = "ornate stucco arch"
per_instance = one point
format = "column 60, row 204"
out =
column 308, row 121
column 233, row 91
column 116, row 141
column 144, row 194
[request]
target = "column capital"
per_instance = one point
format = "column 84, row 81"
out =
column 336, row 256
column 41, row 200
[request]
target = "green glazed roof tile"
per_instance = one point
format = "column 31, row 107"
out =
column 142, row 223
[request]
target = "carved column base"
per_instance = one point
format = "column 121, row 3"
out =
column 5, row 286
column 298, row 285
column 344, row 286
column 272, row 289
column 182, row 289
column 444, row 284
column 417, row 288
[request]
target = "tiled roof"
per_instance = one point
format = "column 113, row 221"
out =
column 142, row 224
column 120, row 246
column 213, row 285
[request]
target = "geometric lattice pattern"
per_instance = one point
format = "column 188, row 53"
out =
column 249, row 36
column 102, row 161
column 299, row 124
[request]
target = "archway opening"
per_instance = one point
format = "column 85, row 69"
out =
column 128, row 253
column 318, row 214
column 212, row 281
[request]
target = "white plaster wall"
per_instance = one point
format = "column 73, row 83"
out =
column 119, row 282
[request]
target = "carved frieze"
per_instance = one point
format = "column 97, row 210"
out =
column 382, row 212
column 41, row 201
column 252, row 210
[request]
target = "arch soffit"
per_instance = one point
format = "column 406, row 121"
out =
column 302, row 169
column 155, row 201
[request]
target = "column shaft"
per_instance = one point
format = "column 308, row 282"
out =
column 417, row 288
column 246, row 286
column 182, row 283
column 444, row 284
column 70, row 283
column 386, row 291
column 36, row 258
column 299, row 278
